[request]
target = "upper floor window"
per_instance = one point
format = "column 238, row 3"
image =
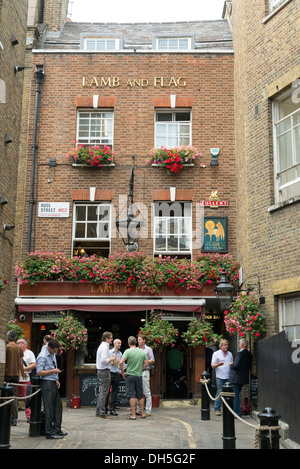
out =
column 173, row 43
column 95, row 127
column 173, row 229
column 290, row 317
column 173, row 129
column 286, row 121
column 91, row 229
column 101, row 43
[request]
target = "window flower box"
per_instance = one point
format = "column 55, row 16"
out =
column 92, row 156
column 173, row 159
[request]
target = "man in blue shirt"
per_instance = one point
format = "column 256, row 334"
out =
column 46, row 369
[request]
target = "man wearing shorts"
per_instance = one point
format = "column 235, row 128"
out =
column 136, row 359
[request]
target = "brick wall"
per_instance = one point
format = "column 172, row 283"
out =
column 13, row 18
column 267, row 56
column 209, row 82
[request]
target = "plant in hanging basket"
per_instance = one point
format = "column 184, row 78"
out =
column 92, row 155
column 70, row 333
column 159, row 333
column 173, row 159
column 245, row 317
column 200, row 332
column 13, row 326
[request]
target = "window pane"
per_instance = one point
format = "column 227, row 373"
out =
column 164, row 117
column 285, row 151
column 160, row 243
column 103, row 230
column 183, row 116
column 183, row 44
column 173, row 226
column 173, row 44
column 103, row 213
column 289, row 315
column 172, row 243
column 80, row 230
column 80, row 212
column 91, row 230
column 184, row 243
column 92, row 213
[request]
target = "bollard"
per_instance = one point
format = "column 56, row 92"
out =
column 228, row 419
column 35, row 406
column 5, row 416
column 269, row 437
column 205, row 403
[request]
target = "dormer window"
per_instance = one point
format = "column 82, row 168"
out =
column 101, row 43
column 174, row 43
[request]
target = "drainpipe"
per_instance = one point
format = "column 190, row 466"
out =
column 39, row 76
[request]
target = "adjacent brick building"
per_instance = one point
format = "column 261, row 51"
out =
column 267, row 111
column 13, row 21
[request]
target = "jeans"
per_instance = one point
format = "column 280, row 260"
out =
column 219, row 382
column 104, row 379
column 236, row 404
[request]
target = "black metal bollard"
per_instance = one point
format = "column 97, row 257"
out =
column 205, row 403
column 36, row 407
column 5, row 416
column 269, row 438
column 228, row 419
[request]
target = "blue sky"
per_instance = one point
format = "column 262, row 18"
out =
column 134, row 11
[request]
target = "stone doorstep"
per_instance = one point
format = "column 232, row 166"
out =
column 173, row 403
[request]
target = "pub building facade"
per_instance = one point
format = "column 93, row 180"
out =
column 132, row 88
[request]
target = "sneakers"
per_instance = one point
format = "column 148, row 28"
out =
column 217, row 412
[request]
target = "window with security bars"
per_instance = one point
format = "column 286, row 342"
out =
column 174, row 43
column 290, row 317
column 109, row 44
column 95, row 127
column 173, row 229
column 92, row 229
column 173, row 129
column 286, row 121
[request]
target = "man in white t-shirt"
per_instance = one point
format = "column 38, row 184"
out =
column 29, row 364
column 220, row 362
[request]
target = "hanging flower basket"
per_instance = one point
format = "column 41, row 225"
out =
column 92, row 156
column 245, row 317
column 200, row 332
column 13, row 326
column 159, row 333
column 70, row 333
column 173, row 159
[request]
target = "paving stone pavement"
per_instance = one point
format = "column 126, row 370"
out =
column 179, row 429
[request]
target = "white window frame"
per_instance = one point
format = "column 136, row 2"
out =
column 292, row 327
column 167, row 218
column 295, row 165
column 168, row 43
column 170, row 124
column 87, row 222
column 93, row 140
column 106, row 42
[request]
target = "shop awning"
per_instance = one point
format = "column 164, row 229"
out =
column 109, row 304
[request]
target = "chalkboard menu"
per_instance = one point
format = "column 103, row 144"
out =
column 90, row 388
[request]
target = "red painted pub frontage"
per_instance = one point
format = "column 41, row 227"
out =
column 112, row 308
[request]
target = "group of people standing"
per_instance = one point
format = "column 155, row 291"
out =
column 110, row 363
column 236, row 371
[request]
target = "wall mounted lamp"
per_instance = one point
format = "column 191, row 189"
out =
column 8, row 227
column 131, row 223
column 224, row 292
column 17, row 68
column 7, row 139
column 214, row 156
column 3, row 200
column 14, row 40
